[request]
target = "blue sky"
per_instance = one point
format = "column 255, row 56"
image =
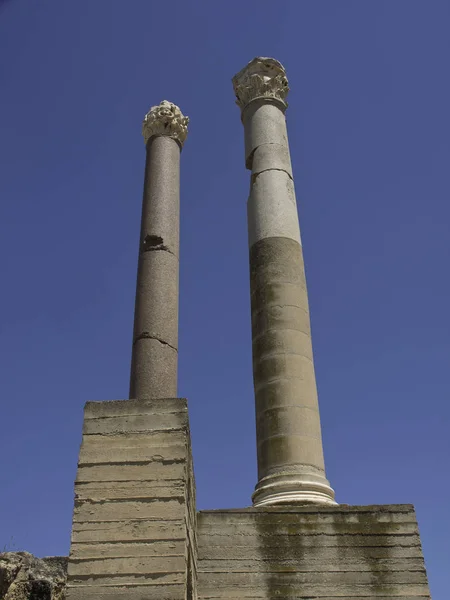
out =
column 369, row 129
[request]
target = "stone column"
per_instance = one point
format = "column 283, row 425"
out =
column 289, row 445
column 155, row 339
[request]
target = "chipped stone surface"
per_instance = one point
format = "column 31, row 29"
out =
column 291, row 465
column 25, row 577
column 263, row 77
column 155, row 333
column 165, row 119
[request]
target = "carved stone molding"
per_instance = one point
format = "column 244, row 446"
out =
column 165, row 119
column 261, row 78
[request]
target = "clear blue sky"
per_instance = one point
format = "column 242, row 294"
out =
column 369, row 129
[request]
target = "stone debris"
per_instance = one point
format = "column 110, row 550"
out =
column 25, row 577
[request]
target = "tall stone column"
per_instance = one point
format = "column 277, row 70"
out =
column 289, row 445
column 155, row 338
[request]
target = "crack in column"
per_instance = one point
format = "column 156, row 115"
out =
column 256, row 175
column 145, row 335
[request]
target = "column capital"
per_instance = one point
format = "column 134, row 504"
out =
column 166, row 119
column 263, row 78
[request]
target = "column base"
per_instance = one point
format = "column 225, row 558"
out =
column 290, row 489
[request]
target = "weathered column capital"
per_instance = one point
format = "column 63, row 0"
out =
column 263, row 78
column 166, row 119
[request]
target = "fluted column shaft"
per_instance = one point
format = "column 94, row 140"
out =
column 154, row 361
column 289, row 444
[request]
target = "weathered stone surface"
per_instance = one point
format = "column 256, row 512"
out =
column 262, row 77
column 143, row 406
column 128, row 490
column 25, row 577
column 155, row 334
column 311, row 552
column 156, row 591
column 134, row 519
column 290, row 455
column 133, row 423
column 272, row 209
column 165, row 119
column 127, row 531
column 152, row 548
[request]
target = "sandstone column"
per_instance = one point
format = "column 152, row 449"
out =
column 155, row 338
column 289, row 445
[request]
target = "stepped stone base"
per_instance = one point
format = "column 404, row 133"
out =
column 351, row 552
column 133, row 531
column 136, row 533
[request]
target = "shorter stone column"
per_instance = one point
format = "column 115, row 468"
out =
column 155, row 339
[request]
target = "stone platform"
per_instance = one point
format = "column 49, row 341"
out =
column 137, row 535
column 134, row 517
column 357, row 552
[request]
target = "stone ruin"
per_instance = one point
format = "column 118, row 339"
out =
column 137, row 534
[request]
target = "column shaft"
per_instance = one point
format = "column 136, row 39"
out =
column 289, row 445
column 155, row 337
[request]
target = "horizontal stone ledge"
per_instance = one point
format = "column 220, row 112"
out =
column 120, row 566
column 308, row 529
column 121, row 579
column 260, row 593
column 277, row 530
column 340, row 508
column 307, row 565
column 338, row 578
column 317, row 518
column 135, row 423
column 134, row 490
column 136, row 439
column 101, row 499
column 109, row 408
column 308, row 541
column 208, row 588
column 128, row 531
column 278, row 554
column 139, row 460
column 123, row 509
column 149, row 520
column 87, row 550
column 174, row 591
column 299, row 595
column 120, row 502
column 150, row 472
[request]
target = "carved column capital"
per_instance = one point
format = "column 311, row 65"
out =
column 262, row 78
column 165, row 119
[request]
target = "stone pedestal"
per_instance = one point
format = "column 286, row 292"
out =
column 336, row 552
column 134, row 520
column 289, row 444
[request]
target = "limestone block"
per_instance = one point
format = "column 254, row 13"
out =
column 311, row 552
column 130, row 530
column 263, row 124
column 271, row 156
column 272, row 208
column 134, row 517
